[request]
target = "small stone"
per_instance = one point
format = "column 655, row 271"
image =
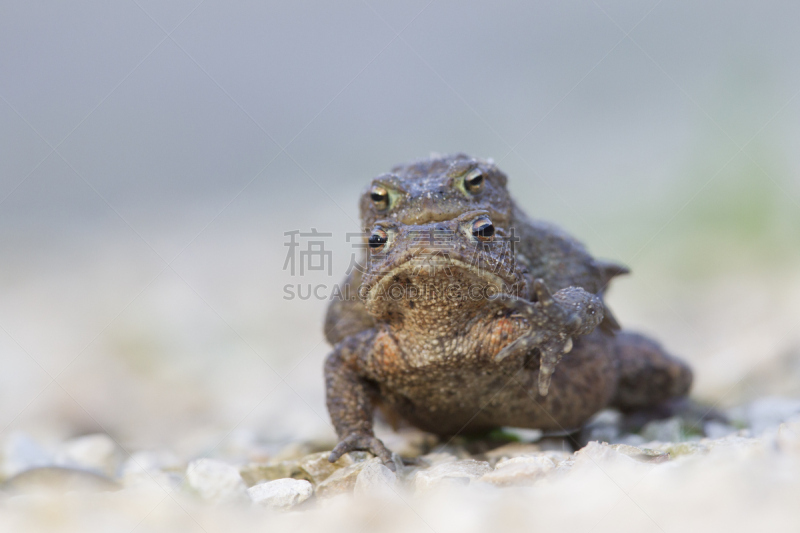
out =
column 255, row 473
column 216, row 481
column 680, row 449
column 603, row 451
column 21, row 453
column 298, row 450
column 512, row 449
column 146, row 467
column 456, row 472
column 564, row 467
column 556, row 455
column 97, row 453
column 644, row 455
column 600, row 451
column 58, row 480
column 437, row 458
column 281, row 494
column 317, row 467
column 314, row 468
column 375, row 481
column 663, row 430
column 737, row 443
column 522, row 470
column 343, row 480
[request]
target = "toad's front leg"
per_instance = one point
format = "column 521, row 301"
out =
column 349, row 399
column 553, row 320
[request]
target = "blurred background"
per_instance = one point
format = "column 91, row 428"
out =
column 152, row 157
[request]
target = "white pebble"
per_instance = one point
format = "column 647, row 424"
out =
column 97, row 453
column 375, row 481
column 281, row 493
column 20, row 452
column 451, row 473
column 216, row 481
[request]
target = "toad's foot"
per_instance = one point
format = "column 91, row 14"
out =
column 553, row 320
column 366, row 442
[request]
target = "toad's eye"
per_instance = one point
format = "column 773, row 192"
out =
column 378, row 240
column 473, row 182
column 483, row 229
column 380, row 197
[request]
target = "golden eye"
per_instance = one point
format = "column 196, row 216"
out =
column 378, row 240
column 380, row 197
column 483, row 229
column 473, row 182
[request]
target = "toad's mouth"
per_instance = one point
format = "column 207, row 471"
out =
column 442, row 271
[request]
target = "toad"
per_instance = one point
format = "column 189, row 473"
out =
column 472, row 316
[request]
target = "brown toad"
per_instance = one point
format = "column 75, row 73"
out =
column 472, row 316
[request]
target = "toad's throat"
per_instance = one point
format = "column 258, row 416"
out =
column 441, row 282
column 424, row 269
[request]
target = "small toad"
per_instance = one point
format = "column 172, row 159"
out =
column 472, row 316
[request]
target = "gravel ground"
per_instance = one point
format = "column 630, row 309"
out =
column 735, row 471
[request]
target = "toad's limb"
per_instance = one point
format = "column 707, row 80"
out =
column 349, row 399
column 553, row 320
